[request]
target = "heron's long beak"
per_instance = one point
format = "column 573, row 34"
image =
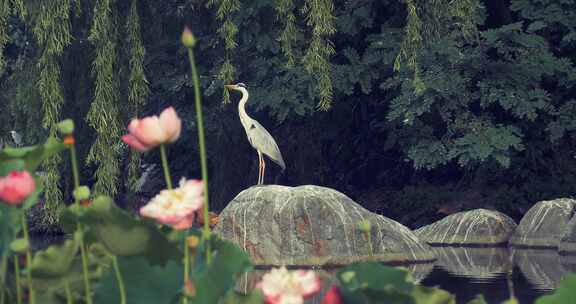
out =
column 230, row 86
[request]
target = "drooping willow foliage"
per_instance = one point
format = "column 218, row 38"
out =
column 317, row 58
column 228, row 31
column 288, row 37
column 103, row 115
column 138, row 89
column 52, row 31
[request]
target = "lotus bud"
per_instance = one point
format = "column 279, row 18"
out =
column 188, row 38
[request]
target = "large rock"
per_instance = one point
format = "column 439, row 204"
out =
column 568, row 240
column 312, row 225
column 544, row 224
column 478, row 226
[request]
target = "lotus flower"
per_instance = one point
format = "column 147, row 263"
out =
column 149, row 132
column 332, row 296
column 16, row 187
column 281, row 286
column 176, row 207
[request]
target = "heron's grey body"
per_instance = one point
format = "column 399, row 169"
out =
column 16, row 138
column 258, row 136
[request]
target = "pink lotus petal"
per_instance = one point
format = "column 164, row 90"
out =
column 16, row 187
column 332, row 296
column 134, row 143
column 171, row 124
column 149, row 132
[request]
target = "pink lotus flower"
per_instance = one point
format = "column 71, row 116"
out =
column 176, row 207
column 281, row 286
column 16, row 187
column 149, row 132
column 332, row 296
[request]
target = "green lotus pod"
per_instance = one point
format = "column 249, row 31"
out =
column 364, row 226
column 81, row 193
column 66, row 127
column 19, row 246
column 55, row 261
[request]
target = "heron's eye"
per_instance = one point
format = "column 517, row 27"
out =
column 240, row 84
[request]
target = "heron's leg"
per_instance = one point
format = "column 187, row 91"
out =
column 263, row 168
column 259, row 168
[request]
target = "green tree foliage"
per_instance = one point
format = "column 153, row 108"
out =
column 471, row 89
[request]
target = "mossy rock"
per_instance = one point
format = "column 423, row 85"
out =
column 474, row 227
column 312, row 225
column 544, row 224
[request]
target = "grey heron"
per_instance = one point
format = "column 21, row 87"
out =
column 257, row 135
column 16, row 138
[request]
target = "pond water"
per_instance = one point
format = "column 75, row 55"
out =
column 463, row 271
column 498, row 272
column 467, row 272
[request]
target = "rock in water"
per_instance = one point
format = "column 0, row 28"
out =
column 474, row 227
column 312, row 225
column 544, row 224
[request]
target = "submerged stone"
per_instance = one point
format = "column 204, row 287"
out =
column 474, row 227
column 544, row 224
column 312, row 225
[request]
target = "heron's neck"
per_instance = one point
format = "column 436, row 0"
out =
column 242, row 104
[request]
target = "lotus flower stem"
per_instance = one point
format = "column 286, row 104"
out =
column 369, row 235
column 186, row 267
column 203, row 163
column 168, row 179
column 28, row 260
column 76, row 176
column 17, row 274
column 69, row 298
column 3, row 267
column 120, row 280
column 165, row 166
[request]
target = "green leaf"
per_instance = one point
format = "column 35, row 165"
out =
column 369, row 282
column 56, row 260
column 10, row 218
column 217, row 279
column 144, row 283
column 511, row 301
column 32, row 155
column 428, row 295
column 233, row 297
column 7, row 166
column 120, row 233
column 19, row 246
column 563, row 294
column 479, row 299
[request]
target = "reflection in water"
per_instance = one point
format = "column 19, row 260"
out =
column 477, row 263
column 544, row 268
